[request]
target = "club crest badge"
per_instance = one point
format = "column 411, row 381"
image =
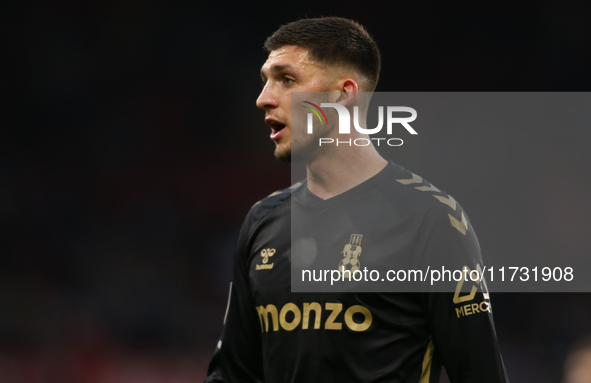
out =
column 351, row 254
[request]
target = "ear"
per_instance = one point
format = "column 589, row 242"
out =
column 348, row 91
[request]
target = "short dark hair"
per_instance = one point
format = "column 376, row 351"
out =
column 332, row 40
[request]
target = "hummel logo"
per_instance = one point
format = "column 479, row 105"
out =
column 265, row 254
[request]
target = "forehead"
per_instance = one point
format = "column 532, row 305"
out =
column 287, row 57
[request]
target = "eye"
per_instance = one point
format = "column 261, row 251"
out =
column 288, row 80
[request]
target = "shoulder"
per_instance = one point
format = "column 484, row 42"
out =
column 414, row 196
column 267, row 205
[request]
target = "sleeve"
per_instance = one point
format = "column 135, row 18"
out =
column 459, row 315
column 238, row 355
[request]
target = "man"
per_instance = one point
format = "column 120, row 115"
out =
column 273, row 335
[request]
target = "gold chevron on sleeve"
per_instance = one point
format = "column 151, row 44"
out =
column 427, row 188
column 414, row 180
column 461, row 226
column 451, row 202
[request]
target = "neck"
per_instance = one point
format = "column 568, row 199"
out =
column 341, row 169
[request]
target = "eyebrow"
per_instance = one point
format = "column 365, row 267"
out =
column 277, row 69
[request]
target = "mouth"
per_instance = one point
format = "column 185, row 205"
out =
column 276, row 127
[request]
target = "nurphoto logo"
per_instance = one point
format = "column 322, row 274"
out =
column 392, row 117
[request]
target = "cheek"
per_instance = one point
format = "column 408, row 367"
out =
column 321, row 83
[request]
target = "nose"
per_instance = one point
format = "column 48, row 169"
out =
column 267, row 99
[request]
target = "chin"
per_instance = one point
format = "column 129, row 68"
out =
column 283, row 154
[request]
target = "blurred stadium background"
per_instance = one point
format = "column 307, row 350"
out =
column 131, row 150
